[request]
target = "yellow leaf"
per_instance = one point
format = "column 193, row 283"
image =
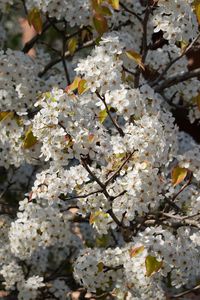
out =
column 196, row 5
column 100, row 23
column 152, row 265
column 73, row 86
column 178, row 175
column 136, row 57
column 196, row 100
column 136, row 250
column 82, row 86
column 5, row 115
column 72, row 45
column 30, row 140
column 105, row 11
column 114, row 4
column 95, row 5
column 35, row 19
column 184, row 45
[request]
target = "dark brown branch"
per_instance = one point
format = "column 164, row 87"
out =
column 144, row 46
column 183, row 187
column 177, row 78
column 144, row 49
column 85, row 165
column 128, row 71
column 63, row 58
column 24, row 6
column 30, row 44
column 81, row 196
column 119, row 129
column 115, row 219
column 104, row 191
column 172, row 205
column 119, row 169
column 170, row 202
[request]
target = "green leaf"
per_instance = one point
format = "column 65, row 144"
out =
column 103, row 114
column 30, row 140
column 152, row 265
column 100, row 23
column 72, row 45
column 35, row 19
column 136, row 57
column 94, row 217
column 102, row 241
column 178, row 175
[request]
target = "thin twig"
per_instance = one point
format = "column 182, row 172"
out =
column 63, row 59
column 130, row 11
column 186, row 292
column 85, row 165
column 59, row 59
column 119, row 129
column 128, row 71
column 119, row 169
column 183, row 187
column 171, row 201
column 24, row 6
column 115, row 219
column 82, row 196
column 144, row 46
column 104, row 191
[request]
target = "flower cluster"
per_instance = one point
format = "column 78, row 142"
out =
column 75, row 12
column 110, row 184
column 176, row 19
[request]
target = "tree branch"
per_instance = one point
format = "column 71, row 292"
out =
column 186, row 292
column 104, row 191
column 177, row 78
column 183, row 187
column 63, row 57
column 29, row 45
column 183, row 220
column 144, row 46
